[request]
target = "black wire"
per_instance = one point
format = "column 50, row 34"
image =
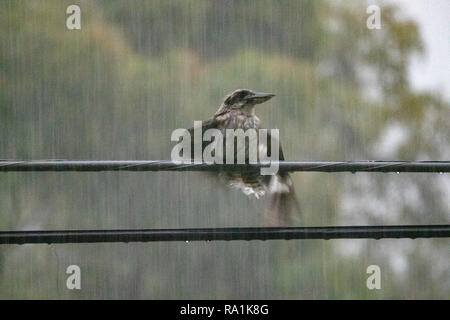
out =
column 165, row 165
column 345, row 232
column 212, row 234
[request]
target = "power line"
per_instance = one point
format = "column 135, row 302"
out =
column 343, row 232
column 214, row 234
column 166, row 165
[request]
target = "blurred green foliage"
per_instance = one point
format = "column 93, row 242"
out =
column 137, row 70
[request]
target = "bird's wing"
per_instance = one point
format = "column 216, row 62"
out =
column 269, row 146
column 207, row 124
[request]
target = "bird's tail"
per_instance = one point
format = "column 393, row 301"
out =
column 283, row 207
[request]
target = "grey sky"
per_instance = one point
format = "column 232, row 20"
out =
column 432, row 71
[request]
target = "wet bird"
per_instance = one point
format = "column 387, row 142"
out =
column 238, row 112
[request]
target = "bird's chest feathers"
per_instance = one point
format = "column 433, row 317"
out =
column 245, row 119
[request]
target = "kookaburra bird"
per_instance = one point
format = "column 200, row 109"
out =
column 238, row 112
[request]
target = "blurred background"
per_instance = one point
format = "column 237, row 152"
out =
column 117, row 88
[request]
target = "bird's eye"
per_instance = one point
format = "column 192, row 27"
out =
column 236, row 97
column 243, row 94
column 229, row 100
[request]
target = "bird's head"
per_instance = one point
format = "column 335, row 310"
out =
column 245, row 99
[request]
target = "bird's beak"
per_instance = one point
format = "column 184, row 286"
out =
column 260, row 97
